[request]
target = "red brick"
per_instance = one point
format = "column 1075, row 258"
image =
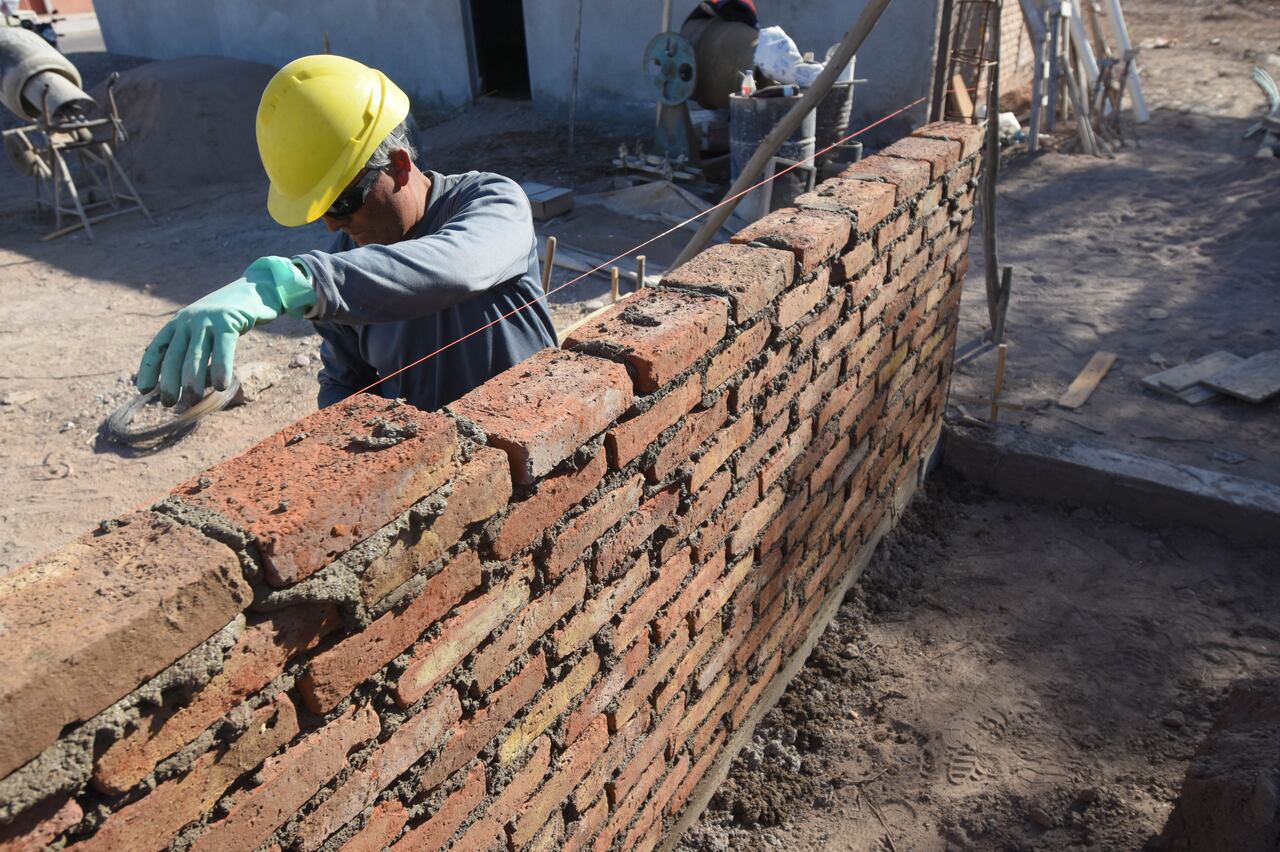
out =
column 457, row 806
column 381, row 829
column 630, row 438
column 598, row 610
column 706, row 501
column 815, row 452
column 333, row 673
column 848, row 465
column 716, row 532
column 870, row 415
column 637, row 695
column 150, row 822
column 586, row 528
column 570, row 768
column 460, row 634
column 627, row 809
column 527, row 627
column 787, row 453
column 660, row 334
column 289, row 780
column 707, row 733
column 754, row 522
column 905, row 250
column 752, row 695
column 891, row 231
column 816, row 391
column 938, row 219
column 83, row 626
column 488, row 832
column 813, row 236
column 653, row 810
column 544, row 711
column 968, row 135
column 684, row 671
column 862, row 286
column 676, row 615
column 628, row 665
column 822, row 322
column 725, row 444
column 471, row 735
column 857, row 259
column 650, row 749
column 798, row 301
column 300, row 524
column 928, row 202
column 700, row 712
column 635, row 531
column 258, row 657
column 864, row 202
column 709, row 607
column 907, row 176
column 550, row 836
column 34, row 830
column 696, row 429
column 555, row 496
column 940, row 154
column 636, row 617
column 845, row 333
column 790, row 512
column 755, row 381
column 715, row 663
column 799, row 374
column 691, row 780
column 750, row 276
column 748, row 344
column 623, row 740
column 542, row 410
column 579, row 834
column 480, row 490
column 910, row 269
column 757, row 449
column 409, row 742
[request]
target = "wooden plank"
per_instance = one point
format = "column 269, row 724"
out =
column 1183, row 376
column 1255, row 379
column 960, row 97
column 1085, row 384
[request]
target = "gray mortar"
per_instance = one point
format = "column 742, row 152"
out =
column 65, row 766
column 215, row 526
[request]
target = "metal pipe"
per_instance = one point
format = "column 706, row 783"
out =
column 1122, row 39
column 848, row 46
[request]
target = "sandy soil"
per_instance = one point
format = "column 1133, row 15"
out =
column 1160, row 255
column 1007, row 676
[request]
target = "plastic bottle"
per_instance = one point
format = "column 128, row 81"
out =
column 748, row 83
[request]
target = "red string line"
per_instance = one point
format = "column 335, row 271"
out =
column 636, row 248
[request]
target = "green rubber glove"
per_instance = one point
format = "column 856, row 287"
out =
column 201, row 340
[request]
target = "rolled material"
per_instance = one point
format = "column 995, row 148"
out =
column 28, row 66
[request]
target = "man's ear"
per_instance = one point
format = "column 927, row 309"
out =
column 401, row 167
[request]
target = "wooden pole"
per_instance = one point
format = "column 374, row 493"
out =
column 1001, row 351
column 548, row 262
column 1124, row 46
column 639, row 272
column 782, row 131
column 613, row 283
column 942, row 66
column 573, row 91
column 991, row 172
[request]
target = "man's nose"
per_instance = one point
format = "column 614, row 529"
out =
column 331, row 223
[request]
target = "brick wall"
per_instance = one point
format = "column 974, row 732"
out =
column 538, row 619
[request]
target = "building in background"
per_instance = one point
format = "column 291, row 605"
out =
column 446, row 53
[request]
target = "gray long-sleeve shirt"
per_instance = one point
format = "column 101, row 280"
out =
column 471, row 259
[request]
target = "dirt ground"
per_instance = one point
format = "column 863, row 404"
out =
column 1165, row 253
column 1007, row 676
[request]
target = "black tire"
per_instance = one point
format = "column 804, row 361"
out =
column 48, row 33
column 119, row 425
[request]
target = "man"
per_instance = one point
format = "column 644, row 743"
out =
column 422, row 260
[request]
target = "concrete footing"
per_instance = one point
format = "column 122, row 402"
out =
column 1015, row 462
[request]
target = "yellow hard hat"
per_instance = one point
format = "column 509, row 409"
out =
column 319, row 120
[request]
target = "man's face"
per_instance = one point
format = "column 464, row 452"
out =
column 377, row 221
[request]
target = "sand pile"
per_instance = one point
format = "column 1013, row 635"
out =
column 190, row 121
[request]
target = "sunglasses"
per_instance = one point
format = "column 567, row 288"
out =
column 353, row 199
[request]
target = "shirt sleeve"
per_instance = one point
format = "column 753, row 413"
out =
column 485, row 241
column 342, row 371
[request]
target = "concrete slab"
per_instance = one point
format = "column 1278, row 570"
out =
column 1017, row 462
column 1255, row 379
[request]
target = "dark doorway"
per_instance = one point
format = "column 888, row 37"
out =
column 502, row 61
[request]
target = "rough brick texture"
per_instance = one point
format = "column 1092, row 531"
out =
column 537, row 620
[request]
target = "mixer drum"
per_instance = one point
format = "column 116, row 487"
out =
column 723, row 50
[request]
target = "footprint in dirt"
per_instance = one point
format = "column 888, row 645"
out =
column 965, row 765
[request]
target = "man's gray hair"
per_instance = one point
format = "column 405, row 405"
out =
column 397, row 138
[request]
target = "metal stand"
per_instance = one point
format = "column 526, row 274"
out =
column 54, row 153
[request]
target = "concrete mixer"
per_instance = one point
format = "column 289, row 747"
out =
column 69, row 154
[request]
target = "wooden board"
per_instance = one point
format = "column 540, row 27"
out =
column 1085, row 383
column 960, row 97
column 1193, row 395
column 547, row 202
column 1186, row 375
column 1254, row 379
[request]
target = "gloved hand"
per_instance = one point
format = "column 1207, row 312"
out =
column 201, row 340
